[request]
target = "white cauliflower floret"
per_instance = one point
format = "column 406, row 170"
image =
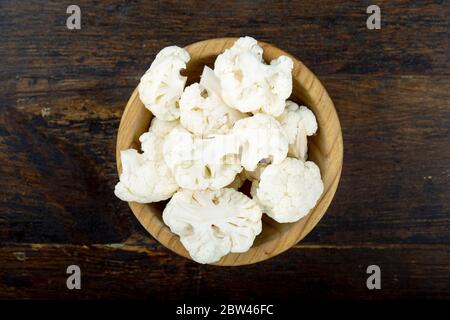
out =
column 152, row 141
column 202, row 110
column 211, row 82
column 261, row 137
column 298, row 123
column 145, row 177
column 161, row 86
column 201, row 163
column 289, row 190
column 143, row 180
column 248, row 83
column 213, row 223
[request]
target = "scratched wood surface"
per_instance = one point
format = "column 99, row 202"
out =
column 62, row 94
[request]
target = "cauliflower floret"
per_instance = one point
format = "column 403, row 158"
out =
column 213, row 223
column 289, row 190
column 202, row 110
column 143, row 180
column 162, row 85
column 298, row 123
column 197, row 163
column 211, row 82
column 248, row 83
column 152, row 141
column 261, row 137
column 145, row 177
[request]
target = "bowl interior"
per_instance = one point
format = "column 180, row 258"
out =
column 325, row 149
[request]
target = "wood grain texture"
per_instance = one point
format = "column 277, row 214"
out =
column 397, row 203
column 325, row 148
column 308, row 273
column 66, row 90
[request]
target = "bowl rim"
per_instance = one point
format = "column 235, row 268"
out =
column 269, row 248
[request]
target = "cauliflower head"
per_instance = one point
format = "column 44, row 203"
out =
column 152, row 141
column 202, row 110
column 298, row 123
column 213, row 223
column 201, row 163
column 249, row 84
column 161, row 86
column 143, row 180
column 261, row 137
column 289, row 190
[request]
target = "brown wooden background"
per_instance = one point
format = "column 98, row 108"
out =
column 62, row 94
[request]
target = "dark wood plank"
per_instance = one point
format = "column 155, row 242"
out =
column 119, row 39
column 394, row 187
column 118, row 271
column 395, row 183
column 54, row 188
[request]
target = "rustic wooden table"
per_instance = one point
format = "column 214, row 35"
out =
column 62, row 93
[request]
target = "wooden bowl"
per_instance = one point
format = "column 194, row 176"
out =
column 325, row 149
